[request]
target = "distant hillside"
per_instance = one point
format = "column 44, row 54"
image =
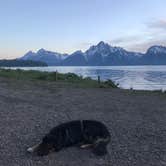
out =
column 21, row 63
column 101, row 54
column 48, row 57
column 155, row 55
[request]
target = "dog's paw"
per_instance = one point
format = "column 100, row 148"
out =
column 86, row 146
column 30, row 150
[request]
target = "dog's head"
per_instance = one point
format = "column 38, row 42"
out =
column 43, row 148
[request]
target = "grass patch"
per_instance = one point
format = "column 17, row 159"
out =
column 57, row 77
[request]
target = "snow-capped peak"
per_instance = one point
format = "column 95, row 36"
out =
column 28, row 55
column 104, row 50
column 157, row 49
column 78, row 52
column 101, row 47
column 100, row 54
column 102, row 44
column 41, row 50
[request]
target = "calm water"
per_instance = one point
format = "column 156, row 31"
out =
column 136, row 77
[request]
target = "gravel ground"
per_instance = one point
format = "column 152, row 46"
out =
column 28, row 110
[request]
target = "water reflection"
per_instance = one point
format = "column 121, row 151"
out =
column 136, row 77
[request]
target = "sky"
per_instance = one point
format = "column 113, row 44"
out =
column 68, row 25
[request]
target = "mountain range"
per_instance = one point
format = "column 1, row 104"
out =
column 101, row 54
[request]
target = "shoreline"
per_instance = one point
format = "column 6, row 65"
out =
column 128, row 77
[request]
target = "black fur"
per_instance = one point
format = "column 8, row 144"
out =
column 76, row 133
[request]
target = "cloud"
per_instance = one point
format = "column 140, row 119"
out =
column 142, row 47
column 157, row 24
column 153, row 33
column 125, row 39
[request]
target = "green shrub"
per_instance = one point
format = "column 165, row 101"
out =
column 110, row 83
column 55, row 76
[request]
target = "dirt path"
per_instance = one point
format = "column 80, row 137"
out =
column 136, row 120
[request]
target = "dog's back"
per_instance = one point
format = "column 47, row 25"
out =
column 89, row 129
column 70, row 133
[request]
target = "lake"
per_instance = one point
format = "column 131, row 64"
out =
column 136, row 77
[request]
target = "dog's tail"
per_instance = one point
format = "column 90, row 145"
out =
column 100, row 146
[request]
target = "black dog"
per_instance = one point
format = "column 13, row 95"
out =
column 85, row 133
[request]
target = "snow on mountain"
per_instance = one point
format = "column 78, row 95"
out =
column 157, row 50
column 49, row 57
column 102, row 48
column 155, row 55
column 104, row 54
column 100, row 54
